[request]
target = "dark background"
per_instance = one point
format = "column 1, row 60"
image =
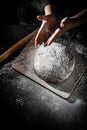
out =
column 14, row 12
column 23, row 103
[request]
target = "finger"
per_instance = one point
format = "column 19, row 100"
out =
column 63, row 22
column 37, row 39
column 42, row 18
column 41, row 34
column 38, row 36
column 53, row 37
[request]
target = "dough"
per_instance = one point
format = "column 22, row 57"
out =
column 53, row 63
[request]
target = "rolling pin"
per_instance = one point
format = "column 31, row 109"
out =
column 16, row 46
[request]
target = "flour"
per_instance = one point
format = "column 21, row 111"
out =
column 54, row 63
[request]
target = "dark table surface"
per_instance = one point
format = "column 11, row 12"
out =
column 25, row 104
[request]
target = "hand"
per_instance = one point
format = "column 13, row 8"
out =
column 48, row 26
column 65, row 24
column 68, row 23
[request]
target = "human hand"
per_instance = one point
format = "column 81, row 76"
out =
column 65, row 24
column 51, row 28
column 48, row 26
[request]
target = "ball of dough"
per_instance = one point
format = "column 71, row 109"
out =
column 53, row 63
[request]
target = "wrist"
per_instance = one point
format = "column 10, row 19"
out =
column 74, row 22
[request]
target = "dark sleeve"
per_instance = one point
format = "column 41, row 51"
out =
column 40, row 4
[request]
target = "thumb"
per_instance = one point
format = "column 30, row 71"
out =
column 64, row 20
column 42, row 18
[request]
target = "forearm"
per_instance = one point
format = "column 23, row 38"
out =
column 79, row 19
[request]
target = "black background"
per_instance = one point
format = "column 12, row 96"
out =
column 13, row 26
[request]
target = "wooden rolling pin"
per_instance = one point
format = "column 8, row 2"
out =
column 16, row 46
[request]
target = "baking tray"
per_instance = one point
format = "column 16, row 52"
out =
column 24, row 65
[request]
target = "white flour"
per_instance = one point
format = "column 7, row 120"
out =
column 54, row 63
